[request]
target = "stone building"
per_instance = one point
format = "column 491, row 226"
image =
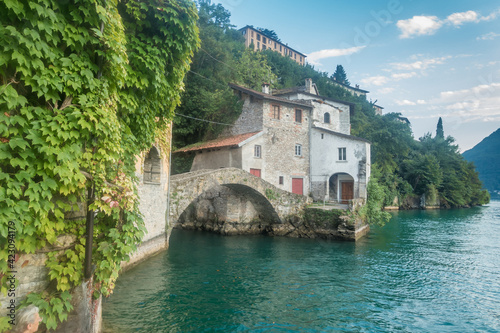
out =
column 262, row 42
column 295, row 139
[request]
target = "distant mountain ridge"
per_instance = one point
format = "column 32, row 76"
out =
column 486, row 157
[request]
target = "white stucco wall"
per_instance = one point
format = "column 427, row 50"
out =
column 249, row 161
column 325, row 162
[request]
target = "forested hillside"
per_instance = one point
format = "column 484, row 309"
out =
column 486, row 157
column 405, row 167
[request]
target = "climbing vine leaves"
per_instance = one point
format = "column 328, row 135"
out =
column 84, row 87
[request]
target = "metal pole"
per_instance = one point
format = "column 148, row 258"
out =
column 90, row 233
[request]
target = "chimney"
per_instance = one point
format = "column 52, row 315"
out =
column 265, row 88
column 309, row 86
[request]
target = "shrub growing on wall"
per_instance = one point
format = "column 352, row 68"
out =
column 84, row 88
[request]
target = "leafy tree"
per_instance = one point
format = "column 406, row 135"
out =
column 340, row 76
column 372, row 212
column 439, row 129
column 269, row 33
column 422, row 171
column 217, row 14
column 207, row 98
column 85, row 87
column 208, row 103
column 253, row 70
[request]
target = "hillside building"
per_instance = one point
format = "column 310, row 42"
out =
column 262, row 42
column 295, row 139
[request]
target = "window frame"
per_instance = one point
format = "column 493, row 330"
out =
column 299, row 115
column 298, row 150
column 325, row 116
column 342, row 154
column 276, row 107
column 257, row 151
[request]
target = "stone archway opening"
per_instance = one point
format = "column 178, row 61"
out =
column 152, row 167
column 229, row 209
column 341, row 188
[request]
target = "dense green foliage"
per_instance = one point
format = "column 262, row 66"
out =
column 270, row 33
column 84, row 88
column 486, row 156
column 207, row 101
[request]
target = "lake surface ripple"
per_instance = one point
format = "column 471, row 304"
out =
column 425, row 271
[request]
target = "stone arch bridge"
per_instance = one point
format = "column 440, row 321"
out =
column 271, row 207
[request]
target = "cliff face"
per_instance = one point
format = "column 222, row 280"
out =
column 486, row 157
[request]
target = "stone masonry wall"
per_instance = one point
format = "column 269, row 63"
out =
column 281, row 137
column 250, row 119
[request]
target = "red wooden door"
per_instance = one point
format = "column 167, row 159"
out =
column 255, row 172
column 347, row 192
column 298, row 186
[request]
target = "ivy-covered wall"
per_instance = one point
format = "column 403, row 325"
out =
column 85, row 87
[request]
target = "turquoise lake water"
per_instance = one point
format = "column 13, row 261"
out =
column 425, row 271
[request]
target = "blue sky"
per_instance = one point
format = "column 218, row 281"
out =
column 425, row 59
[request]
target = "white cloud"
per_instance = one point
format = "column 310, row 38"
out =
column 419, row 25
column 476, row 92
column 313, row 58
column 492, row 16
column 421, row 102
column 420, row 64
column 476, row 103
column 488, row 36
column 460, row 18
column 375, row 80
column 428, row 25
column 386, row 90
column 405, row 102
column 402, row 76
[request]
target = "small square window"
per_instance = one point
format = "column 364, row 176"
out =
column 257, row 151
column 342, row 154
column 281, row 180
column 298, row 150
column 298, row 115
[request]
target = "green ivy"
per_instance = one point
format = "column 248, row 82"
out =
column 85, row 87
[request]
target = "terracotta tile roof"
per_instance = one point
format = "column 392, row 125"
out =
column 262, row 95
column 231, row 141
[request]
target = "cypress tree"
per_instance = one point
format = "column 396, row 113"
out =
column 439, row 129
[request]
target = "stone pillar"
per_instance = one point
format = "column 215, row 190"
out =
column 86, row 316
